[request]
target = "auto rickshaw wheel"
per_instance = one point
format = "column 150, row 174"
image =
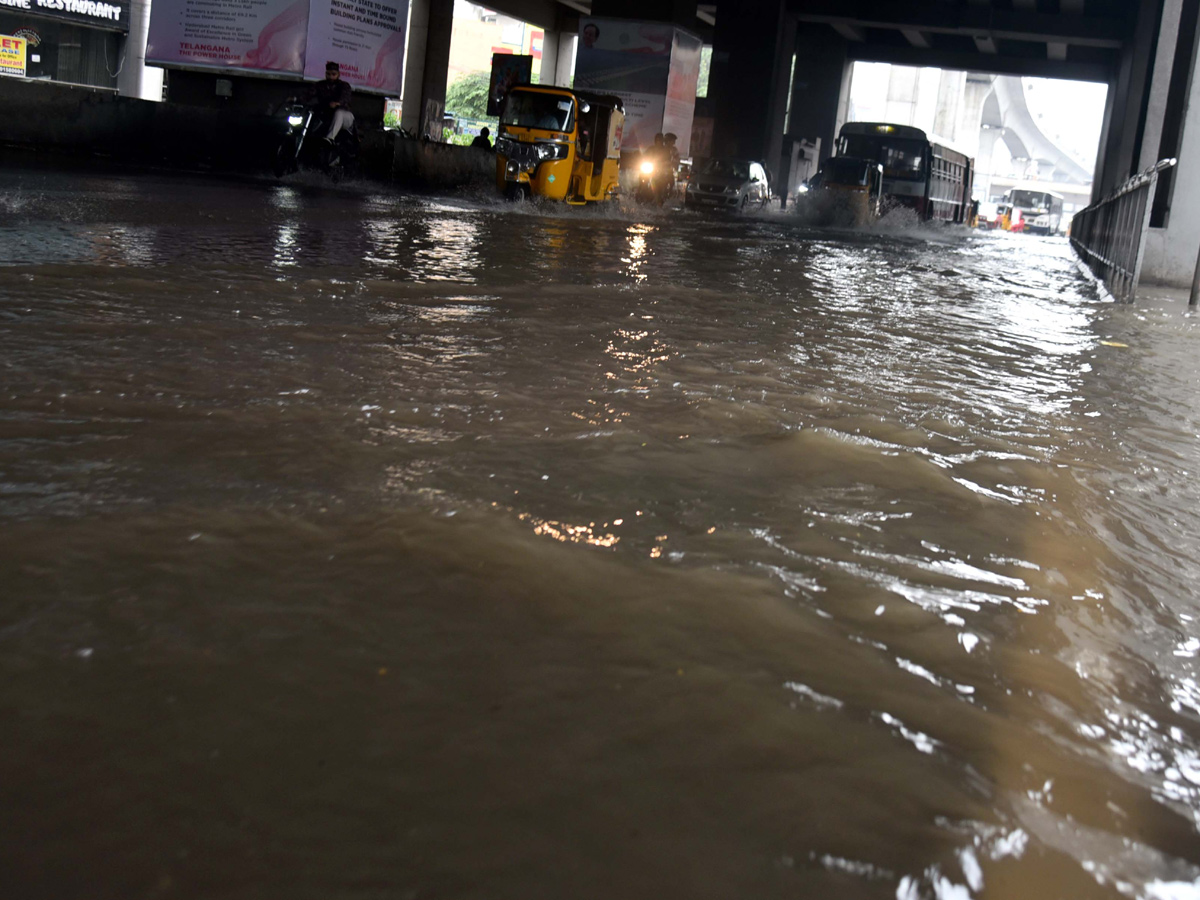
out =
column 515, row 192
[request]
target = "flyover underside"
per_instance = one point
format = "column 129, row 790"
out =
column 1082, row 45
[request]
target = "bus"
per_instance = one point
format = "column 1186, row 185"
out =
column 1033, row 209
column 929, row 177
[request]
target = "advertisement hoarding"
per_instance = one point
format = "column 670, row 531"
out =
column 111, row 15
column 268, row 35
column 631, row 60
column 364, row 37
column 508, row 70
column 681, row 89
column 297, row 37
column 12, row 55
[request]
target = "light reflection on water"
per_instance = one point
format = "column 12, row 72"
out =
column 763, row 559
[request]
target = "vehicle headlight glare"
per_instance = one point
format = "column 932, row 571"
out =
column 295, row 120
column 647, row 168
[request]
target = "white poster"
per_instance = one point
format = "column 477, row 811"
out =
column 364, row 37
column 267, row 35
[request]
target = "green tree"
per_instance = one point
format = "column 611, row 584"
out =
column 467, row 96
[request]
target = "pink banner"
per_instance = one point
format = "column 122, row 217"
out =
column 364, row 37
column 268, row 35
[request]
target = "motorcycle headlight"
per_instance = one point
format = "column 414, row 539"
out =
column 295, row 120
column 647, row 168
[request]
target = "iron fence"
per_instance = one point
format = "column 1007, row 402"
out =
column 1110, row 235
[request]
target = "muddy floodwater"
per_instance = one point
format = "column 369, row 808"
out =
column 362, row 545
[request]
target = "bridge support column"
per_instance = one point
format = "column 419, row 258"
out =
column 431, row 24
column 1172, row 129
column 820, row 100
column 748, row 84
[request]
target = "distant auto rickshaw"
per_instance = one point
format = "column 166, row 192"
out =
column 850, row 190
column 560, row 144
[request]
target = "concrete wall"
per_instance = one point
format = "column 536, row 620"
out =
column 89, row 122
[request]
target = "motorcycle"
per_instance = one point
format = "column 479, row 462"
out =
column 655, row 182
column 302, row 146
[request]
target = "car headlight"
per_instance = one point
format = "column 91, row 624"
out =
column 647, row 168
column 733, row 189
column 295, row 120
column 552, row 151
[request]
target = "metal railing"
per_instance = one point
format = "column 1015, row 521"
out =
column 1110, row 235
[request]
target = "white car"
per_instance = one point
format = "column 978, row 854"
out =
column 723, row 183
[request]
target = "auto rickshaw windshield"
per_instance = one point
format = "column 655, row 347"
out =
column 527, row 109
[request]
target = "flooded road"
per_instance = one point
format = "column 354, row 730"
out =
column 358, row 545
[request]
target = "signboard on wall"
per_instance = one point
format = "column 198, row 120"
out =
column 364, row 37
column 508, row 70
column 12, row 55
column 109, row 14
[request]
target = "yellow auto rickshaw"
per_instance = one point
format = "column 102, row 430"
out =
column 850, row 191
column 560, row 144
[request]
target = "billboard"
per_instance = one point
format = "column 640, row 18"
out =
column 12, row 55
column 508, row 70
column 112, row 16
column 297, row 37
column 680, row 104
column 651, row 66
column 364, row 37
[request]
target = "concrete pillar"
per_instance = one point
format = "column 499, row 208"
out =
column 558, row 58
column 747, row 86
column 135, row 79
column 975, row 92
column 820, row 87
column 904, row 89
column 1121, row 151
column 548, row 69
column 1172, row 248
column 568, row 46
column 1156, row 108
column 950, row 94
column 437, row 64
column 414, row 66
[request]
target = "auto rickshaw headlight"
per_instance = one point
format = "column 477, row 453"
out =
column 647, row 168
column 548, row 151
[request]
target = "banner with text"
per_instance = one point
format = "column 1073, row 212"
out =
column 364, row 37
column 12, row 55
column 268, row 35
column 631, row 60
column 681, row 89
column 113, row 16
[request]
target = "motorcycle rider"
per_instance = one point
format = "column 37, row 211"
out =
column 331, row 99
